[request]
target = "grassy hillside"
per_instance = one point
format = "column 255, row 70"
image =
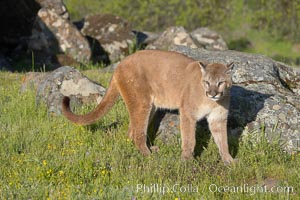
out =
column 46, row 157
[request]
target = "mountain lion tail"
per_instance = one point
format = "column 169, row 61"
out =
column 102, row 108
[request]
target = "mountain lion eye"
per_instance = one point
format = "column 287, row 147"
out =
column 220, row 83
column 207, row 83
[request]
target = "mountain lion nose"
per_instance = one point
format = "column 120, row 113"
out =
column 212, row 94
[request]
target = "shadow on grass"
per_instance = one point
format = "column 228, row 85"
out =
column 105, row 128
column 202, row 131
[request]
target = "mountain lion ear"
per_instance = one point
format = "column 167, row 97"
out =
column 229, row 68
column 202, row 67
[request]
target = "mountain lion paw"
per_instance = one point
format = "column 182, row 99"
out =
column 154, row 149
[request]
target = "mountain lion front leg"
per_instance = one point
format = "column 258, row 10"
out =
column 217, row 122
column 187, row 128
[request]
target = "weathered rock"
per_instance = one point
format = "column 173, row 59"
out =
column 209, row 39
column 56, row 6
column 67, row 81
column 199, row 38
column 265, row 95
column 145, row 38
column 108, row 34
column 31, row 80
column 53, row 35
column 171, row 37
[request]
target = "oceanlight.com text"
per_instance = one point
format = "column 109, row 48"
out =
column 248, row 189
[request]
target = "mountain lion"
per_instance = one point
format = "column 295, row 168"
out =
column 152, row 79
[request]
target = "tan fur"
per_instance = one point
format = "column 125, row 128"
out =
column 152, row 79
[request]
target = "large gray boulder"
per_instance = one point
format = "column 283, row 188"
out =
column 56, row 6
column 209, row 39
column 66, row 81
column 145, row 38
column 31, row 80
column 265, row 95
column 52, row 34
column 171, row 37
column 110, row 36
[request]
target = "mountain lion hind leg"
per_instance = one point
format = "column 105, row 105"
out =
column 187, row 129
column 139, row 113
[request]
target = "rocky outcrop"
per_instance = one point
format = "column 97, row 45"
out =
column 209, row 39
column 265, row 95
column 171, row 37
column 31, row 80
column 145, row 38
column 67, row 81
column 56, row 6
column 110, row 37
column 199, row 38
column 52, row 35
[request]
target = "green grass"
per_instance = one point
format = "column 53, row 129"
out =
column 46, row 157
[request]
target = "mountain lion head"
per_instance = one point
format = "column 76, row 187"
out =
column 216, row 80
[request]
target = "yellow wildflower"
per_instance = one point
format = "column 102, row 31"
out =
column 44, row 162
column 61, row 173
